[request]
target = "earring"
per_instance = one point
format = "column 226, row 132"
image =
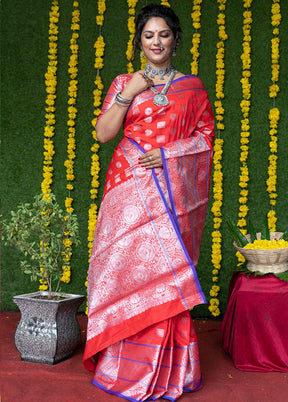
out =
column 175, row 47
column 141, row 52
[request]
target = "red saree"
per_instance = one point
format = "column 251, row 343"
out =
column 142, row 281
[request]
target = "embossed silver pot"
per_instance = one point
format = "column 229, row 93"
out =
column 48, row 331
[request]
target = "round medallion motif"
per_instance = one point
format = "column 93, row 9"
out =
column 140, row 274
column 114, row 285
column 131, row 214
column 125, row 240
column 148, row 111
column 148, row 132
column 146, row 252
column 147, row 147
column 107, row 227
column 118, row 261
column 164, row 232
column 152, row 202
column 148, row 119
column 140, row 171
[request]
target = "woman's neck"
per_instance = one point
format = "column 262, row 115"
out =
column 155, row 72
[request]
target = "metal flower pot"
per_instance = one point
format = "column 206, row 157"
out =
column 48, row 331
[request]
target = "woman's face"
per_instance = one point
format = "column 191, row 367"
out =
column 157, row 41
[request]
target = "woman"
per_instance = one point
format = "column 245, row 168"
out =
column 141, row 343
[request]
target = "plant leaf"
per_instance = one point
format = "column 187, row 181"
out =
column 251, row 231
column 284, row 236
column 235, row 232
column 265, row 232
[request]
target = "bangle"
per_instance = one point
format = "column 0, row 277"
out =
column 121, row 101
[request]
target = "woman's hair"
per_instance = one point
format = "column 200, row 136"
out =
column 160, row 11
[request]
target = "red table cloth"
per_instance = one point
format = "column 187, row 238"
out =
column 254, row 331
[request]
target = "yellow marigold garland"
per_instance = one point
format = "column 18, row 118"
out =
column 216, row 255
column 245, row 124
column 131, row 28
column 274, row 115
column 95, row 162
column 51, row 85
column 71, row 143
column 143, row 60
column 165, row 3
column 196, row 15
column 245, row 108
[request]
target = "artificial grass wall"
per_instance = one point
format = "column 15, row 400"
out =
column 24, row 50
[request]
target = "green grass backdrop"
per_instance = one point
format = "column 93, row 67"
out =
column 24, row 50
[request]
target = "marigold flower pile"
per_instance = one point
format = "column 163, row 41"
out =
column 263, row 244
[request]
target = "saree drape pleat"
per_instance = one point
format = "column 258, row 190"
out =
column 142, row 276
column 164, row 357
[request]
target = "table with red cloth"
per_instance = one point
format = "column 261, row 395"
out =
column 254, row 330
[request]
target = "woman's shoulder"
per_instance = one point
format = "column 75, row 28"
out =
column 123, row 78
column 191, row 80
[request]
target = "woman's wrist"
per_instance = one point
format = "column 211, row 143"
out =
column 122, row 100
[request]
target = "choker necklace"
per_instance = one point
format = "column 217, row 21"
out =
column 160, row 98
column 161, row 72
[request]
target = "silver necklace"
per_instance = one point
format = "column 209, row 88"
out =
column 161, row 72
column 160, row 98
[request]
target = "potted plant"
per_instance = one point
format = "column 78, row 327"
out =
column 48, row 331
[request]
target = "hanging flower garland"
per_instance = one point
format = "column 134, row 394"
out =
column 51, row 85
column 274, row 115
column 196, row 15
column 131, row 28
column 216, row 255
column 95, row 162
column 245, row 124
column 143, row 60
column 71, row 143
column 165, row 3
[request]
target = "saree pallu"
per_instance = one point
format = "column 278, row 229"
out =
column 142, row 281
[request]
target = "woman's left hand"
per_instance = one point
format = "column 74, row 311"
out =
column 152, row 159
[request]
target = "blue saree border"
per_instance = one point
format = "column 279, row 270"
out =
column 129, row 398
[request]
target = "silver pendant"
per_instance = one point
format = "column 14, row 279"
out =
column 161, row 100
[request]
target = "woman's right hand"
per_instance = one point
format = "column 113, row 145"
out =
column 110, row 123
column 136, row 85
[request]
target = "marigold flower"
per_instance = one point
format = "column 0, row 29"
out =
column 245, row 109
